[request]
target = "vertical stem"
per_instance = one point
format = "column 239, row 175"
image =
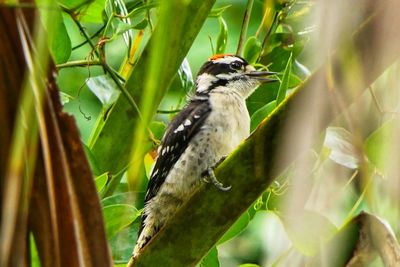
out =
column 262, row 22
column 245, row 25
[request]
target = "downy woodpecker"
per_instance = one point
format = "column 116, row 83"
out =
column 208, row 128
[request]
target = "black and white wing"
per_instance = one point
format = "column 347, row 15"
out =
column 176, row 139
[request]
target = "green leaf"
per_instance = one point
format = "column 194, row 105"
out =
column 117, row 217
column 222, row 37
column 93, row 13
column 236, row 228
column 101, row 181
column 379, row 144
column 341, row 150
column 249, row 265
column 285, row 82
column 57, row 35
column 217, row 12
column 252, row 49
column 261, row 114
column 211, row 259
column 122, row 27
column 105, row 89
column 294, row 80
column 34, row 255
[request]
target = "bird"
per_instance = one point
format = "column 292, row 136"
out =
column 213, row 122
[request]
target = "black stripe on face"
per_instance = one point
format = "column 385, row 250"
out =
column 214, row 68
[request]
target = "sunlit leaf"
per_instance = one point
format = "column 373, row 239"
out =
column 117, row 217
column 222, row 37
column 252, row 49
column 249, row 265
column 101, row 181
column 342, row 151
column 261, row 114
column 104, row 89
column 294, row 80
column 379, row 144
column 35, row 260
column 148, row 164
column 285, row 82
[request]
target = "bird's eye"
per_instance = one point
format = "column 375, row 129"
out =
column 236, row 65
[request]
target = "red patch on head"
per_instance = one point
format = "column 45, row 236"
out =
column 215, row 57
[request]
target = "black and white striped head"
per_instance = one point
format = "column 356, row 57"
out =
column 229, row 73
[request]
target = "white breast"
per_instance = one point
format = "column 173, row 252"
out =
column 229, row 113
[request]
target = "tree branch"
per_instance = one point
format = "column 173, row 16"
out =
column 245, row 25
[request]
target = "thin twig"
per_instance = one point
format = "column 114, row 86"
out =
column 268, row 34
column 245, row 25
column 262, row 23
column 81, row 29
column 91, row 37
column 107, row 68
column 79, row 63
column 113, row 74
column 123, row 90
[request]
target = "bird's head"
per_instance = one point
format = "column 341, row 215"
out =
column 227, row 72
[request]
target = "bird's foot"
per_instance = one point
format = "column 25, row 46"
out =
column 209, row 176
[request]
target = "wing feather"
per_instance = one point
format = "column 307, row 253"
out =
column 176, row 139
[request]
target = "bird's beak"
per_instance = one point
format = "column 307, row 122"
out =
column 262, row 76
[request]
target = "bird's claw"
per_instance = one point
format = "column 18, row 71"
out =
column 210, row 177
